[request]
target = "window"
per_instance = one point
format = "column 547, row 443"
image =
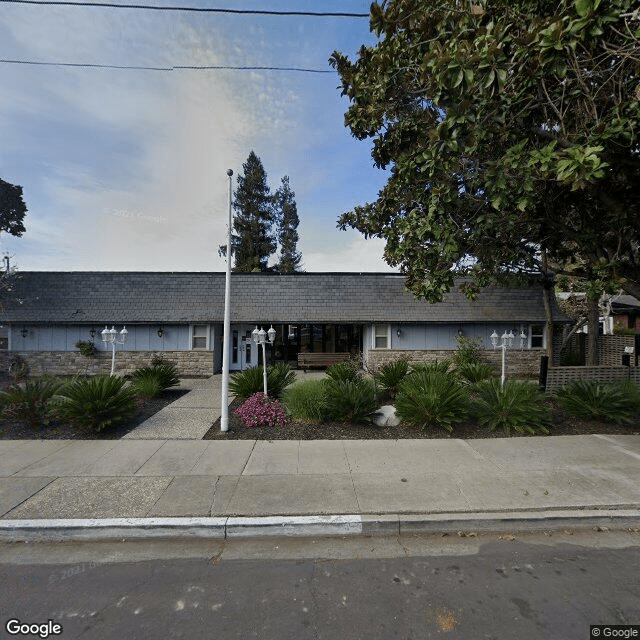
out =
column 381, row 336
column 537, row 336
column 199, row 336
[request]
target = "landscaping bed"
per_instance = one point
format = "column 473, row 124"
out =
column 563, row 425
column 59, row 430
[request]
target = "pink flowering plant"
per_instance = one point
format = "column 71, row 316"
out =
column 260, row 411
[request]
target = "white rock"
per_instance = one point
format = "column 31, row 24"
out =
column 386, row 417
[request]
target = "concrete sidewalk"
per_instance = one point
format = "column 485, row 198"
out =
column 129, row 487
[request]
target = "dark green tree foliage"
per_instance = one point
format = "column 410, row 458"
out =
column 287, row 224
column 12, row 209
column 511, row 132
column 253, row 240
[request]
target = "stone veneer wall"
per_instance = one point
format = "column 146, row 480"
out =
column 523, row 364
column 560, row 376
column 64, row 363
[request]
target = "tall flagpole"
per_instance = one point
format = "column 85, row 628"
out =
column 224, row 413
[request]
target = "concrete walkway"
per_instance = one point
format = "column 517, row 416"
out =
column 194, row 487
column 191, row 416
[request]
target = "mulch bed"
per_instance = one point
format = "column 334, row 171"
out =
column 15, row 430
column 299, row 430
column 564, row 425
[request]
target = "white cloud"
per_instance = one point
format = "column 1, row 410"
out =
column 359, row 255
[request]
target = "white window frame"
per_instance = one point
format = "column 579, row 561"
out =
column 374, row 335
column 544, row 336
column 207, row 336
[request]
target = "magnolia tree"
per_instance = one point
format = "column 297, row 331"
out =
column 511, row 133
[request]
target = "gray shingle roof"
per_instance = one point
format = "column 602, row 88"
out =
column 170, row 297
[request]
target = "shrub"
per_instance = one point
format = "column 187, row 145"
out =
column 260, row 411
column 468, row 351
column 18, row 369
column 245, row 383
column 442, row 366
column 279, row 377
column 432, row 398
column 87, row 348
column 350, row 400
column 307, row 400
column 516, row 405
column 597, row 401
column 632, row 391
column 151, row 381
column 145, row 384
column 474, row 372
column 342, row 371
column 98, row 402
column 31, row 402
column 250, row 381
column 391, row 375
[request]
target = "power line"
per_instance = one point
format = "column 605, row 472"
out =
column 88, row 65
column 264, row 12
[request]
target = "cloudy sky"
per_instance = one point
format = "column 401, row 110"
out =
column 126, row 169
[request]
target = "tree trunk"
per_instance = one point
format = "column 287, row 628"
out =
column 547, row 291
column 592, row 335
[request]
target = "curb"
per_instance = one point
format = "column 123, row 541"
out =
column 307, row 526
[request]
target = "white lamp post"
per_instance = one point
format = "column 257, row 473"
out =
column 112, row 337
column 506, row 341
column 260, row 337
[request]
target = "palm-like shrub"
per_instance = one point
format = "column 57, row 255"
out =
column 597, row 401
column 146, row 385
column 517, row 405
column 439, row 366
column 432, row 398
column 30, row 402
column 473, row 372
column 97, row 403
column 306, row 400
column 279, row 377
column 245, row 383
column 350, row 400
column 342, row 371
column 151, row 381
column 391, row 375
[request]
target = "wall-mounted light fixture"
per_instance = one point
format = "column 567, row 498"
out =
column 160, row 331
column 460, row 332
column 24, row 332
column 399, row 332
column 92, row 333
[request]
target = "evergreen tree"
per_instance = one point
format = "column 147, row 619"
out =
column 12, row 209
column 253, row 240
column 287, row 224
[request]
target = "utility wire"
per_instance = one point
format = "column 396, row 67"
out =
column 88, row 65
column 264, row 12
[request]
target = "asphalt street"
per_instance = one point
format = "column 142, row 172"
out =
column 497, row 586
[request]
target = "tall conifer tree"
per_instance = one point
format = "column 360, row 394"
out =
column 287, row 223
column 253, row 240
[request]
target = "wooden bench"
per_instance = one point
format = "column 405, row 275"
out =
column 320, row 360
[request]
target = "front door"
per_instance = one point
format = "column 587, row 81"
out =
column 243, row 351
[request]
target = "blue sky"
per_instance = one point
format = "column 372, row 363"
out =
column 126, row 170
